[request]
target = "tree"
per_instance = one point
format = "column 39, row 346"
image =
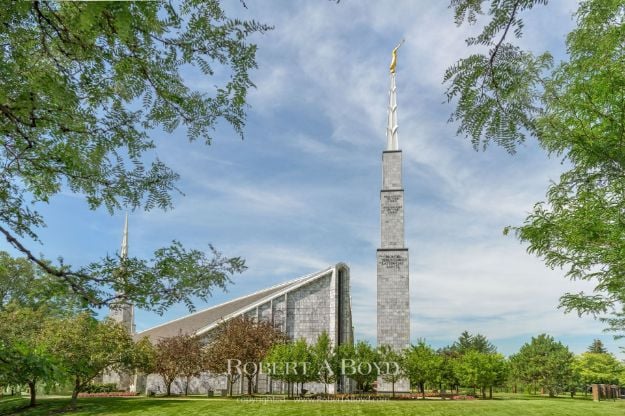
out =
column 324, row 360
column 483, row 370
column 597, row 347
column 243, row 339
column 467, row 342
column 167, row 363
column 448, row 376
column 25, row 356
column 422, row 365
column 83, row 85
column 16, row 276
column 25, row 285
column 86, row 347
column 182, row 355
column 357, row 360
column 295, row 363
column 600, row 368
column 191, row 357
column 575, row 111
column 388, row 355
column 277, row 357
column 301, row 353
column 544, row 363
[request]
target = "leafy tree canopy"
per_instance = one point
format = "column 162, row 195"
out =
column 86, row 347
column 26, row 357
column 601, row 368
column 544, row 363
column 25, row 285
column 483, row 370
column 83, row 84
column 575, row 110
column 422, row 365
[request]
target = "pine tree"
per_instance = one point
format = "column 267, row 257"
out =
column 597, row 347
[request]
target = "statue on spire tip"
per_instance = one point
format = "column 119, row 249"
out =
column 394, row 59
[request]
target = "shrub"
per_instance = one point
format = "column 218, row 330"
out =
column 100, row 388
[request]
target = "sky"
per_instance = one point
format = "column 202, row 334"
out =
column 301, row 191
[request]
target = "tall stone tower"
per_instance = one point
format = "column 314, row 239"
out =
column 124, row 312
column 392, row 256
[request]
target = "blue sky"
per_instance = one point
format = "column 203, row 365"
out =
column 301, row 191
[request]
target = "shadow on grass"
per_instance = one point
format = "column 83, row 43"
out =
column 86, row 406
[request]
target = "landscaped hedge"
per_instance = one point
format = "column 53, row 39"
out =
column 100, row 388
column 111, row 394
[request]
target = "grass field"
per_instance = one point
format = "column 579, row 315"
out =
column 520, row 406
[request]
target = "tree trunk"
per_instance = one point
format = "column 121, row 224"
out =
column 483, row 389
column 422, row 388
column 249, row 385
column 33, row 394
column 490, row 392
column 186, row 386
column 169, row 388
column 75, row 393
column 393, row 388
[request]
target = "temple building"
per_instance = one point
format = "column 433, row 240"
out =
column 310, row 305
column 301, row 308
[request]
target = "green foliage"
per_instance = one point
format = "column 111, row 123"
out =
column 86, row 347
column 467, row 342
column 83, row 85
column 597, row 347
column 422, row 365
column 544, row 363
column 576, row 112
column 292, row 362
column 361, row 355
column 389, row 355
column 600, row 368
column 25, row 354
column 25, row 285
column 483, row 370
column 325, row 361
column 100, row 388
column 498, row 94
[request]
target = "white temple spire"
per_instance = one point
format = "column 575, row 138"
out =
column 123, row 253
column 392, row 141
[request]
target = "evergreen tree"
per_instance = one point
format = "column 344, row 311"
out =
column 597, row 347
column 467, row 342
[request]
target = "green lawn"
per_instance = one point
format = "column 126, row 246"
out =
column 522, row 406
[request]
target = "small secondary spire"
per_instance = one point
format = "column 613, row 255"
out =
column 124, row 250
